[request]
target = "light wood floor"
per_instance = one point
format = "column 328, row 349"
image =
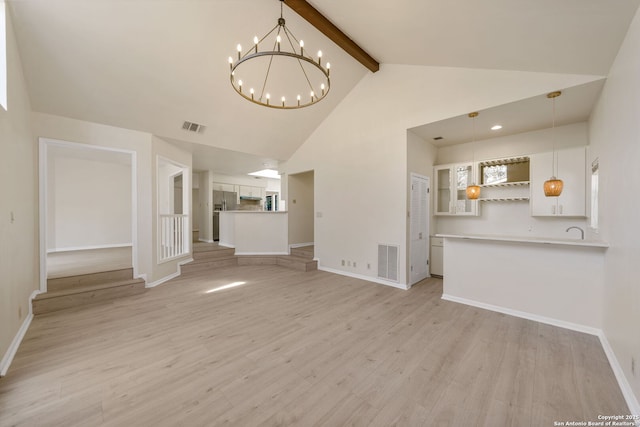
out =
column 71, row 263
column 301, row 349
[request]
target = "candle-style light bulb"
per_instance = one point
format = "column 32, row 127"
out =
column 298, row 100
column 268, row 98
column 239, row 47
column 240, row 85
column 255, row 42
column 322, row 87
column 230, row 63
column 251, row 92
column 301, row 47
column 312, row 95
column 278, row 40
column 283, row 101
column 319, row 57
column 328, row 68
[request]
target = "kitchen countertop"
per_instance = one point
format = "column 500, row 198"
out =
column 535, row 240
column 249, row 211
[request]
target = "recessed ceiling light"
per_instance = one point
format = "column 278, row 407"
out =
column 496, row 127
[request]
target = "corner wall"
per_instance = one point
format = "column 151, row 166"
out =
column 19, row 264
column 359, row 153
column 615, row 140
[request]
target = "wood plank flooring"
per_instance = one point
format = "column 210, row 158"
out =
column 73, row 263
column 289, row 348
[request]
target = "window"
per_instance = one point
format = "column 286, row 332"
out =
column 3, row 55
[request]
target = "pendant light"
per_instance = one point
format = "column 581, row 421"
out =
column 553, row 186
column 473, row 190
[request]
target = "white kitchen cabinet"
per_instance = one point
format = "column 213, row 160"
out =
column 436, row 260
column 219, row 186
column 451, row 183
column 250, row 191
column 571, row 169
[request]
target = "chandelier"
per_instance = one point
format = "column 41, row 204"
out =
column 276, row 71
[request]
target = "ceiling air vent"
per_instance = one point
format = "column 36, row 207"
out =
column 193, row 127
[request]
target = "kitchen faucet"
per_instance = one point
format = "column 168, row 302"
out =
column 577, row 228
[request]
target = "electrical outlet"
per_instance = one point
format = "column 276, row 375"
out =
column 368, row 266
column 354, row 264
column 633, row 366
column 343, row 263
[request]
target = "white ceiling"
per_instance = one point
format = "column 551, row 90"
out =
column 149, row 65
column 573, row 106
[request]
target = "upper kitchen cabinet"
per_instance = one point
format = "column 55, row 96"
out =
column 250, row 191
column 451, row 184
column 571, row 169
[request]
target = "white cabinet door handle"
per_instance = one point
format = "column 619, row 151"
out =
column 560, row 209
column 553, row 209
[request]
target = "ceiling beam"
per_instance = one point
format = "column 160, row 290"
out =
column 318, row 20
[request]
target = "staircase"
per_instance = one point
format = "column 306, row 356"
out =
column 207, row 256
column 300, row 259
column 83, row 289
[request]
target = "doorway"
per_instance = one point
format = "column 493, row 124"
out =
column 419, row 228
column 87, row 209
column 300, row 205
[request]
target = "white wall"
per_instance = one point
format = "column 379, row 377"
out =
column 615, row 140
column 512, row 217
column 359, row 153
column 19, row 265
column 71, row 130
column 89, row 200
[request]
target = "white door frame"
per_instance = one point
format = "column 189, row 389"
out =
column 44, row 143
column 413, row 175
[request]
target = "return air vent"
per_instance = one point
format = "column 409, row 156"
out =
column 388, row 262
column 193, row 127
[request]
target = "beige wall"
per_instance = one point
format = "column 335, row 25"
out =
column 19, row 266
column 615, row 137
column 301, row 208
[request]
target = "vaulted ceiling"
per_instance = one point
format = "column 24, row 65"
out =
column 150, row 65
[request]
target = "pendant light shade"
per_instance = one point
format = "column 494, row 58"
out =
column 553, row 186
column 473, row 190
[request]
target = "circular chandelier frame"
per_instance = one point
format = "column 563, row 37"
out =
column 254, row 52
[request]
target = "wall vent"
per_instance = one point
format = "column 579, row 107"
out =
column 193, row 127
column 388, row 262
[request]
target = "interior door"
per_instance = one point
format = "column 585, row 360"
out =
column 419, row 228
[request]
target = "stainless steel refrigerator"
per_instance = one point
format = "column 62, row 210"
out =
column 222, row 201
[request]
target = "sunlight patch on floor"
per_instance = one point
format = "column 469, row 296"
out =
column 223, row 287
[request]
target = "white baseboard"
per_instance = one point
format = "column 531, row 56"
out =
column 300, row 245
column 226, row 245
column 363, row 277
column 206, row 241
column 261, row 253
column 86, row 248
column 523, row 314
column 625, row 387
column 169, row 277
column 13, row 348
